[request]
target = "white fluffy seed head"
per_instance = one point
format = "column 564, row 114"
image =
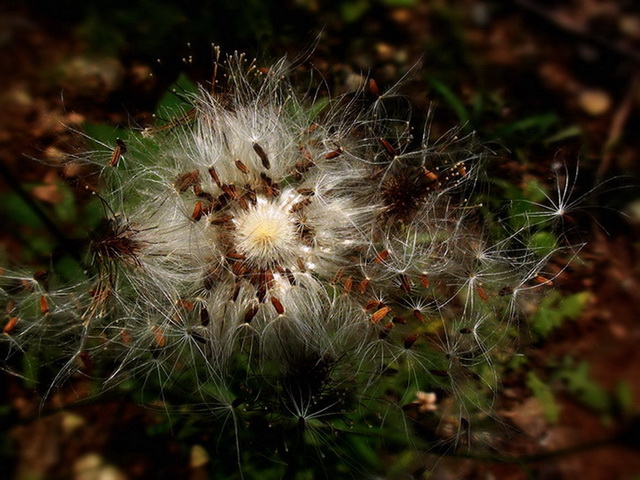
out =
column 287, row 235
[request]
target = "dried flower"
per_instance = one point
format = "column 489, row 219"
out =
column 313, row 246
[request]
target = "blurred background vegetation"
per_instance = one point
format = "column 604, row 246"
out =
column 545, row 84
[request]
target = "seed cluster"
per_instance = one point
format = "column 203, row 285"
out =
column 322, row 246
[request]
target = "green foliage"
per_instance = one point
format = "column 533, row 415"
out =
column 580, row 384
column 543, row 393
column 555, row 309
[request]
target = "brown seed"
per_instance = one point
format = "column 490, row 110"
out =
column 187, row 180
column 10, row 325
column 399, row 320
column 44, row 305
column 540, row 280
column 363, row 285
column 290, row 277
column 221, row 220
column 126, row 337
column 307, row 192
column 118, row 152
column 348, row 283
column 336, row 153
column 382, row 256
column 250, row 314
column 418, row 314
column 373, row 87
column 263, row 156
column 410, row 340
column 185, row 304
column 277, row 305
column 197, row 211
column 86, row 360
column 380, row 314
column 204, row 317
column 158, row 335
column 242, row 167
column 372, row 304
column 424, row 281
column 432, row 177
column 465, row 331
column 504, row 291
column 462, row 170
column 41, row 276
column 235, row 256
column 215, row 177
column 405, row 283
column 389, row 148
column 296, row 207
column 385, row 331
column 482, row 293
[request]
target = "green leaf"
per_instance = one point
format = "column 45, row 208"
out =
column 584, row 388
column 543, row 393
column 555, row 309
column 15, row 208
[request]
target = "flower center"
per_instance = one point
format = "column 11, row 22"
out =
column 266, row 234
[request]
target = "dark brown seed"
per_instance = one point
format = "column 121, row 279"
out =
column 214, row 177
column 86, row 360
column 204, row 317
column 187, row 180
column 235, row 256
column 504, row 291
column 277, row 305
column 197, row 337
column 221, row 220
column 410, row 340
column 418, row 314
column 241, row 166
column 296, row 207
column 372, row 304
column 465, row 331
column 424, row 281
column 263, row 156
column 388, row 147
column 363, row 285
column 118, row 152
column 405, row 283
column 250, row 314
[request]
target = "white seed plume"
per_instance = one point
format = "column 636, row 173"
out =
column 308, row 241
